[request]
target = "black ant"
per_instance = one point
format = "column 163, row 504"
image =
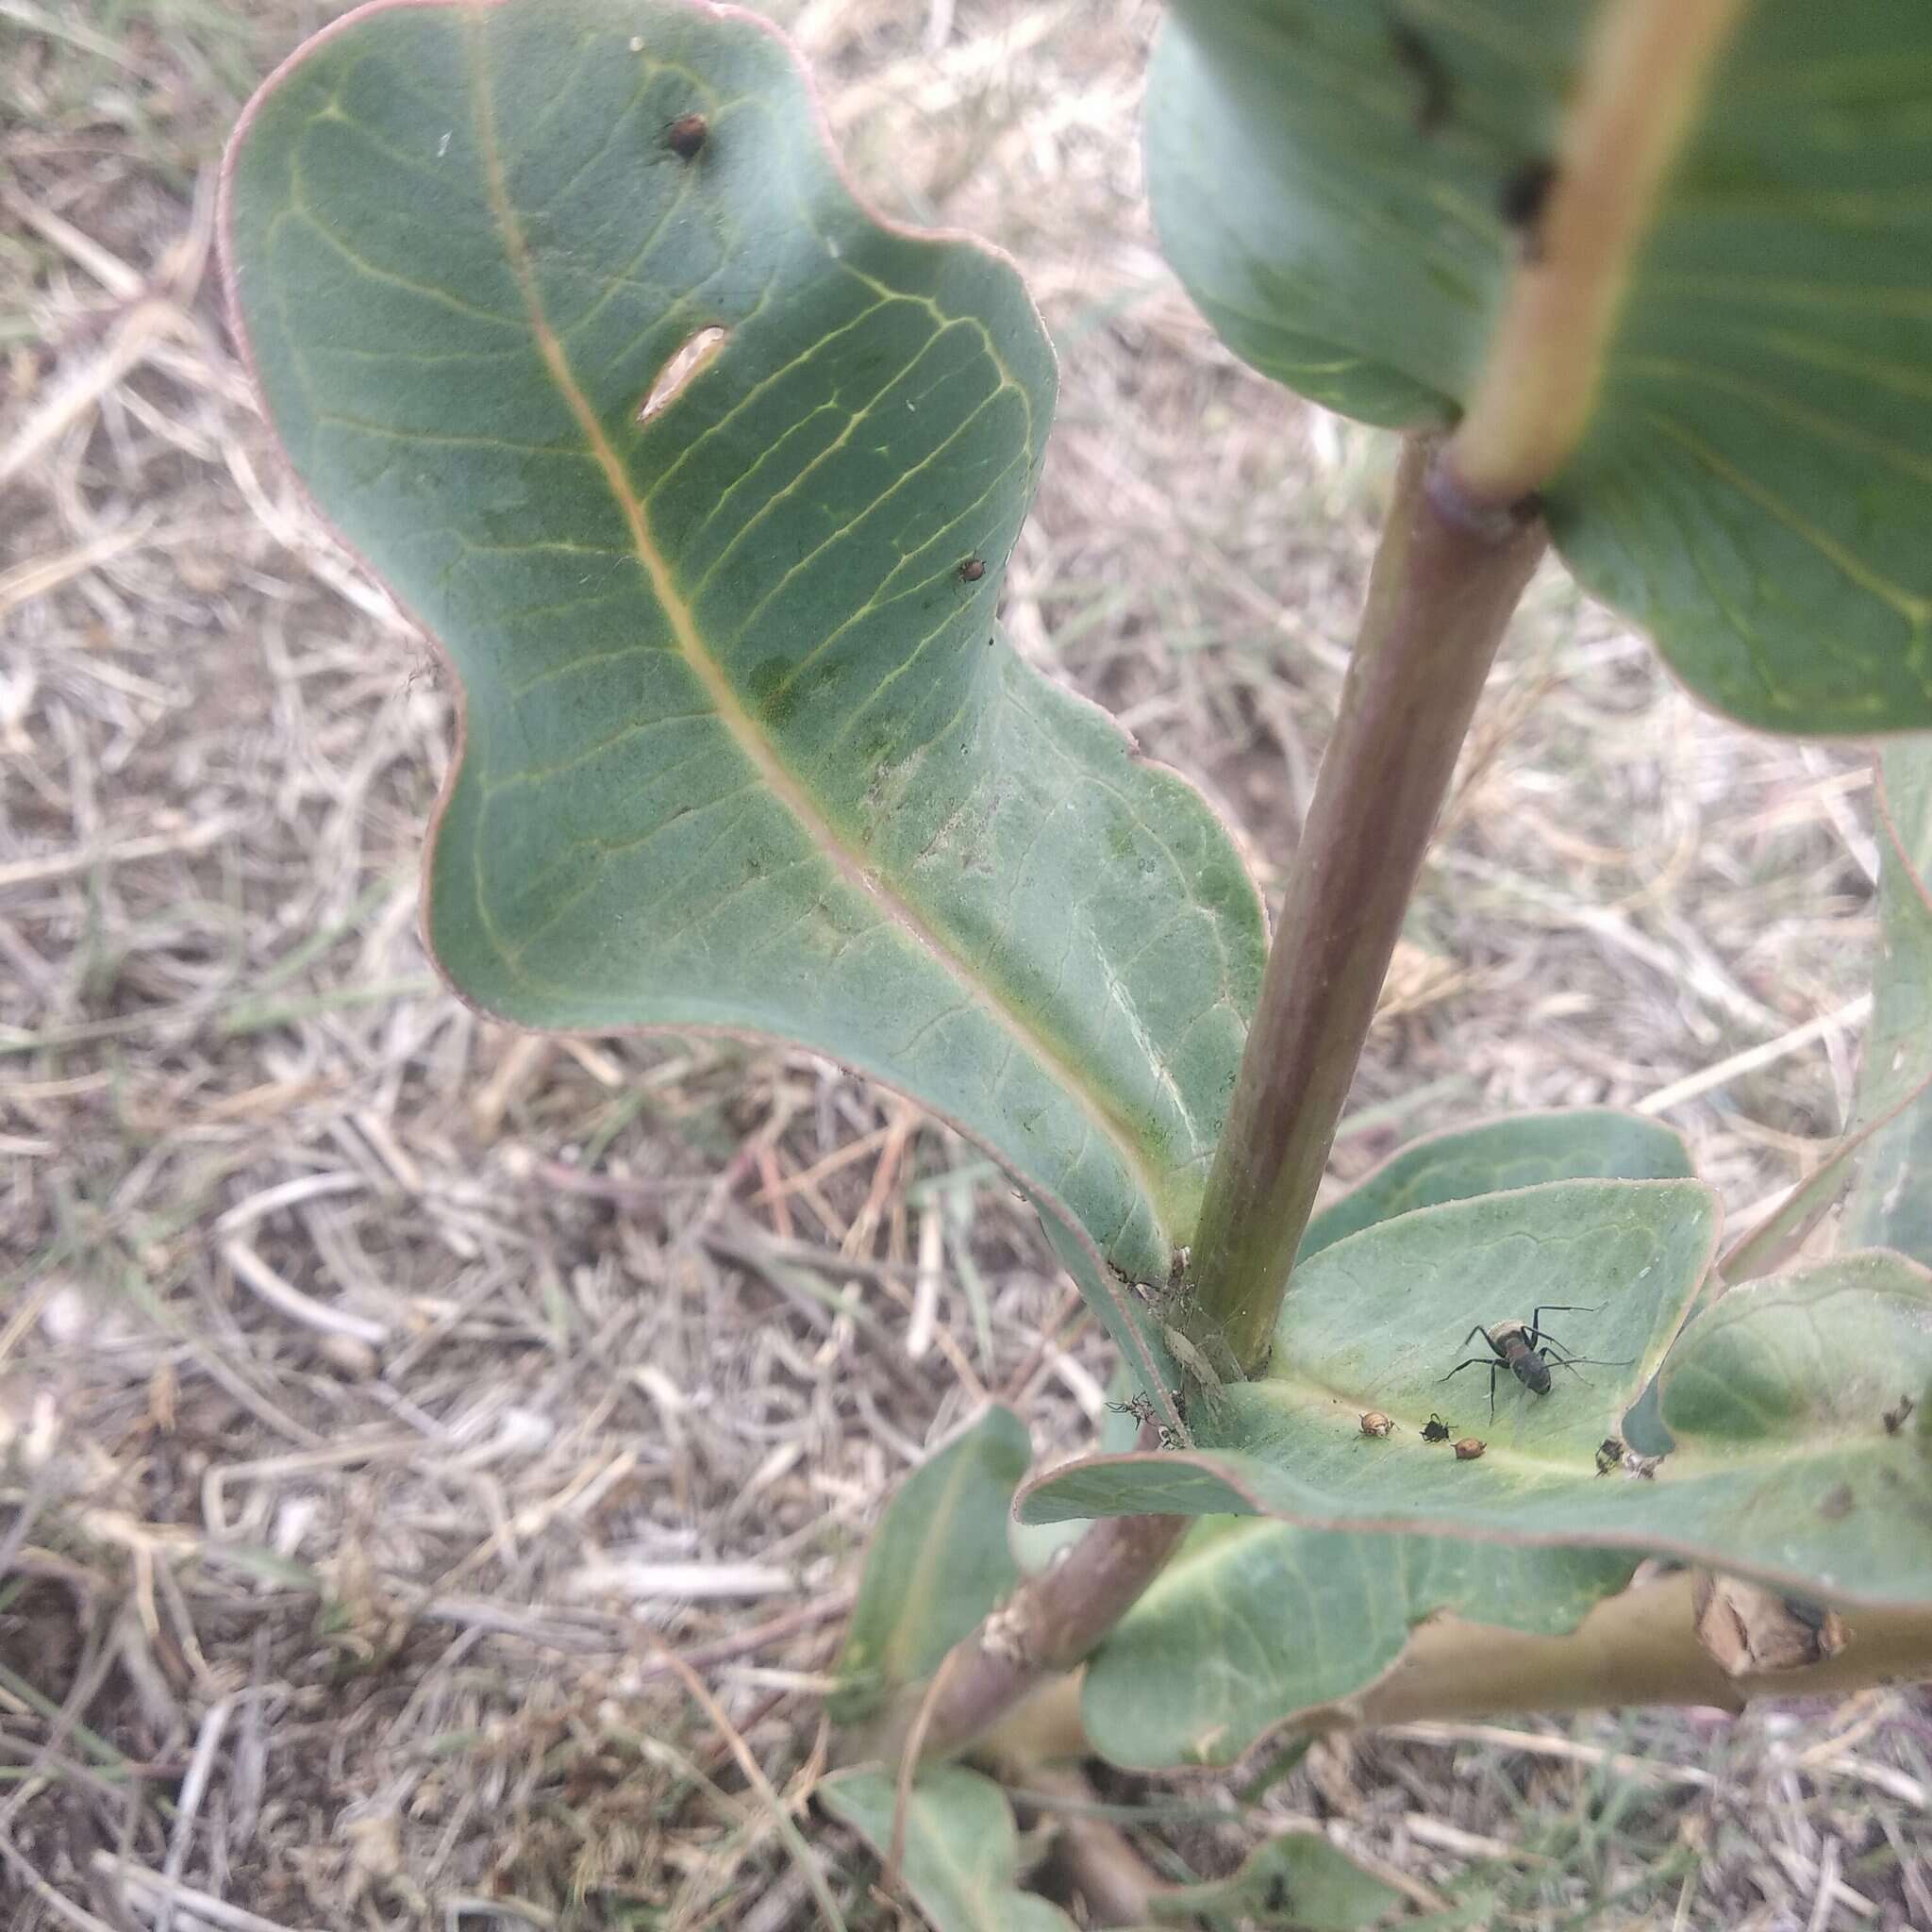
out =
column 1527, row 1351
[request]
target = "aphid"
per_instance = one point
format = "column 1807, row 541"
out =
column 686, row 136
column 1140, row 1405
column 1520, row 202
column 1643, row 1467
column 972, row 570
column 1895, row 1418
column 1435, row 91
column 1435, row 1429
column 1527, row 1352
column 1376, row 1423
column 1610, row 1452
column 1469, row 1449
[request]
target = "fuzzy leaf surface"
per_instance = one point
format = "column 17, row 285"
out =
column 745, row 748
column 1756, row 479
column 962, row 1855
column 938, row 1562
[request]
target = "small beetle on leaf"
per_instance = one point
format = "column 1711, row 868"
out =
column 686, row 136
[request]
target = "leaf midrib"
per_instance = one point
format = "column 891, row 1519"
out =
column 739, row 723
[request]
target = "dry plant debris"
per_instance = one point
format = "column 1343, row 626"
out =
column 385, row 1396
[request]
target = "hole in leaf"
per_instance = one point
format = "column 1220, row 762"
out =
column 677, row 373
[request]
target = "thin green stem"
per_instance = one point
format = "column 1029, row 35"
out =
column 1446, row 578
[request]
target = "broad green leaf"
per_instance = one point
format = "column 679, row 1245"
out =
column 1297, row 1882
column 1325, row 180
column 1300, row 1617
column 1253, row 1622
column 962, row 1857
column 1891, row 1201
column 939, row 1562
column 1784, row 1401
column 1583, row 1144
column 1375, row 1321
column 744, row 747
column 1755, row 480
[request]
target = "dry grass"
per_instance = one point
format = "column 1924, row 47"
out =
column 385, row 1386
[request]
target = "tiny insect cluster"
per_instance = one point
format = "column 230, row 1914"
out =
column 1613, row 1453
column 1529, row 1352
column 1468, row 1448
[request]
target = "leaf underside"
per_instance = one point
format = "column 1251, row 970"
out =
column 1254, row 1621
column 745, row 748
column 1776, row 1398
column 1756, row 479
